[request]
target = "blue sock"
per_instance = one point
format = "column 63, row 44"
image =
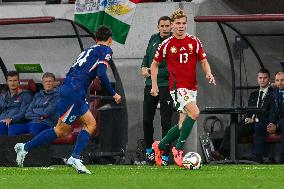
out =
column 82, row 142
column 148, row 150
column 44, row 137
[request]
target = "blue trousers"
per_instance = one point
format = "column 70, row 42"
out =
column 261, row 133
column 3, row 129
column 27, row 128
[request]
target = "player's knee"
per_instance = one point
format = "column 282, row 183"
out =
column 91, row 127
column 194, row 115
column 62, row 131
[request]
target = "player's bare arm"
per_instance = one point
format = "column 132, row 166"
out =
column 207, row 70
column 154, row 73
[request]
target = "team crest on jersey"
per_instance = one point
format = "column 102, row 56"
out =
column 185, row 98
column 108, row 56
column 190, row 48
column 72, row 118
column 173, row 49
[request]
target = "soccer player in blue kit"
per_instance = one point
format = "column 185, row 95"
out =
column 91, row 63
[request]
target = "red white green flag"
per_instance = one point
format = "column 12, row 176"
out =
column 117, row 14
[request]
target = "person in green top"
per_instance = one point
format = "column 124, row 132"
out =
column 150, row 103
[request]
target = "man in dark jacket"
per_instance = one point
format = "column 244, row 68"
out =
column 150, row 103
column 260, row 98
column 275, row 122
column 13, row 103
column 41, row 113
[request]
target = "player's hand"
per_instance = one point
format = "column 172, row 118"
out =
column 7, row 121
column 271, row 128
column 248, row 120
column 211, row 78
column 117, row 98
column 154, row 91
column 146, row 72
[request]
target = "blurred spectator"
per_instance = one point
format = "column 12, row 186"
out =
column 42, row 110
column 13, row 103
column 260, row 98
column 274, row 124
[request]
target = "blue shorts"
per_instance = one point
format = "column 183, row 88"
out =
column 71, row 104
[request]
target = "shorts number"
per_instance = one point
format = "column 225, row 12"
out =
column 82, row 58
column 183, row 58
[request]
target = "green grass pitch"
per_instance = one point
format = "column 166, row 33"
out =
column 146, row 177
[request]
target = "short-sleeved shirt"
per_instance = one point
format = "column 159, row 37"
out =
column 181, row 56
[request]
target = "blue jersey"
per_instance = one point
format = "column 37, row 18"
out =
column 91, row 63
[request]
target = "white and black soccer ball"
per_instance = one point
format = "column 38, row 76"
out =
column 192, row 160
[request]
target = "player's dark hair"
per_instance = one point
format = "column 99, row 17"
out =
column 265, row 71
column 103, row 33
column 48, row 74
column 164, row 18
column 279, row 72
column 12, row 74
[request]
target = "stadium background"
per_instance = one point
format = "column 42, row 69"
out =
column 128, row 57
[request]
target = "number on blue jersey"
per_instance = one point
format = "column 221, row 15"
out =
column 82, row 58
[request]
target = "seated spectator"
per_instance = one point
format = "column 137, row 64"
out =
column 13, row 103
column 260, row 98
column 41, row 113
column 275, row 123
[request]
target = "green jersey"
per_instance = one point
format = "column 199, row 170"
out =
column 163, row 74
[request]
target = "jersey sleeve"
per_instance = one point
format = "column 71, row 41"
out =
column 199, row 50
column 103, row 63
column 160, row 53
column 146, row 60
column 102, row 74
column 105, row 57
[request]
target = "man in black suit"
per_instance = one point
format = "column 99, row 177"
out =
column 260, row 98
column 275, row 123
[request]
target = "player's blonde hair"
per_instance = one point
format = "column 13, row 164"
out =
column 177, row 14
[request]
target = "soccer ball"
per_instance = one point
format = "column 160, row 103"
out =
column 192, row 160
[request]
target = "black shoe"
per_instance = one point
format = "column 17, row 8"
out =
column 150, row 158
column 281, row 160
column 271, row 160
column 257, row 158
